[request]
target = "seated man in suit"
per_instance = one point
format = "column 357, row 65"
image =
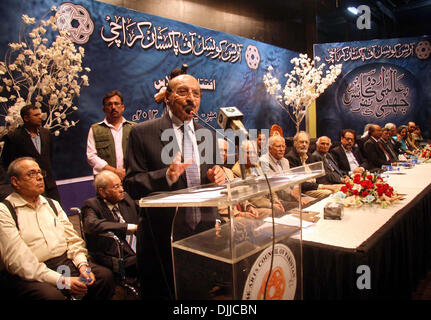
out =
column 275, row 162
column 396, row 146
column 299, row 156
column 385, row 141
column 333, row 175
column 347, row 155
column 261, row 206
column 41, row 254
column 374, row 151
column 112, row 210
column 239, row 210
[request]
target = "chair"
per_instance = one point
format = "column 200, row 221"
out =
column 118, row 267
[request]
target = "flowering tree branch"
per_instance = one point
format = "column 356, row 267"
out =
column 304, row 84
column 47, row 75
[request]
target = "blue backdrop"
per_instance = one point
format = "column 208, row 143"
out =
column 382, row 81
column 133, row 52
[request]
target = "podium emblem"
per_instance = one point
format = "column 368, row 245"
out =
column 282, row 280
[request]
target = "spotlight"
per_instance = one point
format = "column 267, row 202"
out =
column 353, row 10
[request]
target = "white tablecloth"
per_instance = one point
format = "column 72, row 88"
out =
column 359, row 224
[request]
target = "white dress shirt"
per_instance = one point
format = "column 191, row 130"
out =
column 179, row 135
column 94, row 160
column 353, row 163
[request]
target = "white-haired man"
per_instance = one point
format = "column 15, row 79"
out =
column 275, row 162
column 333, row 174
column 112, row 210
column 299, row 156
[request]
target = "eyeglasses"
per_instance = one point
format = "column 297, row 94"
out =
column 117, row 186
column 183, row 92
column 110, row 104
column 32, row 174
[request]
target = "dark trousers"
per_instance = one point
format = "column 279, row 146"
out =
column 16, row 288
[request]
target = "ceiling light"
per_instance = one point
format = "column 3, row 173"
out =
column 353, row 10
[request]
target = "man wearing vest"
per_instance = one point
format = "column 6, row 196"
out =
column 107, row 140
column 41, row 254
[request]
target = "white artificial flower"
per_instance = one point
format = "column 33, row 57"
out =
column 303, row 85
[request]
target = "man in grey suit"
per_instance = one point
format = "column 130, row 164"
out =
column 148, row 170
column 275, row 162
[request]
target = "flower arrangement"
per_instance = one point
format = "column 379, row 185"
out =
column 425, row 154
column 366, row 188
column 43, row 72
column 304, row 84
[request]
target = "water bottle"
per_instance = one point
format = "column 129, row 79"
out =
column 84, row 281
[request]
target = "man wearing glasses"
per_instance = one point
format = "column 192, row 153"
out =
column 41, row 254
column 107, row 140
column 112, row 210
column 347, row 155
column 149, row 169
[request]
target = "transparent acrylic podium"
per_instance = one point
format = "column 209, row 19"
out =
column 233, row 261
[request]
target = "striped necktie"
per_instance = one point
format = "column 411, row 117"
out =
column 130, row 238
column 333, row 165
column 193, row 215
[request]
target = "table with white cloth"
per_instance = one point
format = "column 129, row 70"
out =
column 392, row 245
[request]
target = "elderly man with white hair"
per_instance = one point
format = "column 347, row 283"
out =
column 248, row 156
column 275, row 162
column 299, row 156
column 112, row 210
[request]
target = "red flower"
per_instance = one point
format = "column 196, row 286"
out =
column 343, row 189
column 370, row 177
column 355, row 192
column 357, row 178
column 364, row 193
column 366, row 184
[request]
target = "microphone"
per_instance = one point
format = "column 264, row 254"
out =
column 190, row 111
column 230, row 117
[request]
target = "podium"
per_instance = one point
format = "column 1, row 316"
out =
column 245, row 258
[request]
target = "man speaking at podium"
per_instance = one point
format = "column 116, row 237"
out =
column 147, row 172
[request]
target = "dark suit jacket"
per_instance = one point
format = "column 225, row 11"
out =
column 18, row 144
column 97, row 218
column 331, row 176
column 375, row 155
column 146, row 173
column 339, row 155
column 295, row 161
column 393, row 155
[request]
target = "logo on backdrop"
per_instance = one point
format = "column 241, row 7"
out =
column 282, row 280
column 252, row 57
column 75, row 19
column 378, row 90
column 423, row 49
